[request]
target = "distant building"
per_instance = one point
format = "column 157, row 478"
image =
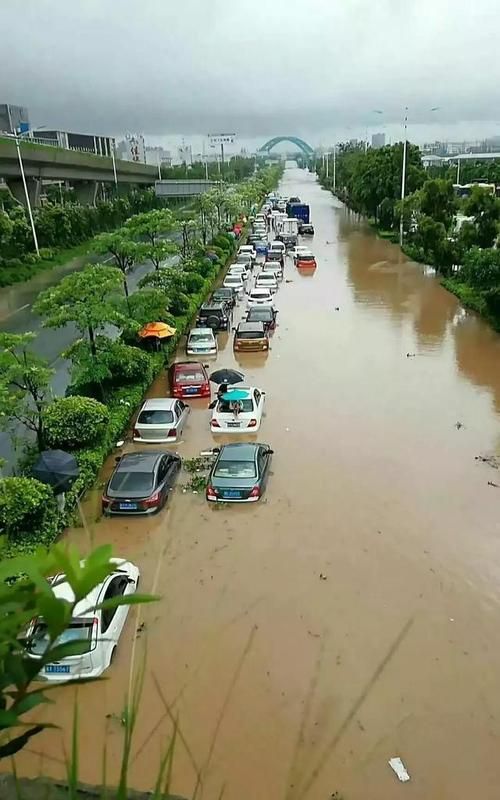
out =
column 132, row 148
column 378, row 140
column 431, row 160
column 100, row 145
column 157, row 155
column 185, row 154
column 14, row 119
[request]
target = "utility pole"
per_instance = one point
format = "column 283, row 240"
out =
column 113, row 158
column 26, row 194
column 458, row 171
column 334, row 167
column 222, row 160
column 327, row 156
column 403, row 179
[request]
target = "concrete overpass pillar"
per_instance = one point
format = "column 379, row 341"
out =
column 86, row 192
column 17, row 190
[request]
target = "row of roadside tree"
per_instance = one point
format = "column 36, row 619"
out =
column 457, row 236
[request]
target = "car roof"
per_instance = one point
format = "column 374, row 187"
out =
column 306, row 253
column 160, row 403
column 201, row 330
column 250, row 327
column 180, row 365
column 277, row 243
column 239, row 451
column 138, row 462
column 259, row 291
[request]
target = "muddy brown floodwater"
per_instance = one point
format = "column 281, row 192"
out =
column 353, row 614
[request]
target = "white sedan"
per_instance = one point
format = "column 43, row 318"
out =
column 100, row 629
column 248, row 249
column 259, row 297
column 274, row 268
column 161, row 420
column 266, row 280
column 298, row 250
column 235, row 416
column 235, row 282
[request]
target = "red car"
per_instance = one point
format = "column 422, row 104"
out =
column 189, row 379
column 306, row 261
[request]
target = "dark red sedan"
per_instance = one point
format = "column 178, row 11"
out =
column 189, row 379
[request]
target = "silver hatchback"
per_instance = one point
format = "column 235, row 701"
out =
column 161, row 419
column 201, row 341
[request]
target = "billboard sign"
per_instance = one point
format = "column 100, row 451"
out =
column 215, row 139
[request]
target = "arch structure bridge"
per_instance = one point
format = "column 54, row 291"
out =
column 305, row 148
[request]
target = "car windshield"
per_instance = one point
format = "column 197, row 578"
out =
column 249, row 334
column 260, row 314
column 233, row 279
column 230, row 406
column 190, row 376
column 123, row 482
column 306, row 257
column 235, row 469
column 155, row 416
column 78, row 629
column 260, row 295
column 267, row 277
column 200, row 337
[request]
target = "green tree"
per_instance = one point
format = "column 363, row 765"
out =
column 125, row 251
column 485, row 208
column 32, row 598
column 24, row 384
column 437, row 199
column 153, row 225
column 85, row 299
column 481, row 269
column 159, row 252
column 6, row 227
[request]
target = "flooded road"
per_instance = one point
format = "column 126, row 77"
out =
column 353, row 614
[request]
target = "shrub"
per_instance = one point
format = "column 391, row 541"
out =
column 72, row 422
column 129, row 364
column 193, row 282
column 26, row 505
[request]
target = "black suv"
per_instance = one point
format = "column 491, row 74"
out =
column 215, row 315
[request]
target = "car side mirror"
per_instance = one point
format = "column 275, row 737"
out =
column 117, row 459
column 207, row 366
column 216, row 450
column 234, row 329
column 269, row 452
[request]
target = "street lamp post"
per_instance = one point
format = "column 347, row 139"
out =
column 26, row 194
column 327, row 157
column 334, row 167
column 403, row 179
column 113, row 159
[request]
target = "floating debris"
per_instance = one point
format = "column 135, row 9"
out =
column 411, row 355
column 459, row 425
column 492, row 461
column 490, row 483
column 399, row 768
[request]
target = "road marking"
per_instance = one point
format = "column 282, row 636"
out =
column 22, row 308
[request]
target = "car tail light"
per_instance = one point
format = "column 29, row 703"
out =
column 214, row 423
column 211, row 492
column 137, row 433
column 172, row 433
column 105, row 501
column 252, row 423
column 205, row 390
column 152, row 501
column 255, row 492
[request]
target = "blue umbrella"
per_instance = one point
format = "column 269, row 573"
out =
column 236, row 394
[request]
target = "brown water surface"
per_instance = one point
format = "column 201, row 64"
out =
column 290, row 685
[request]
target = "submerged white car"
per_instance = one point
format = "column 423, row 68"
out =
column 266, row 280
column 201, row 341
column 99, row 629
column 298, row 250
column 235, row 416
column 161, row 419
column 273, row 268
column 260, row 297
column 235, row 282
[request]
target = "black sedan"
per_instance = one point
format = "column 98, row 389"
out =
column 239, row 474
column 264, row 314
column 140, row 483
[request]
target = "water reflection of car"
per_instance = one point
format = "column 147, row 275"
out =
column 201, row 341
column 189, row 379
column 305, row 261
column 140, row 483
column 250, row 336
column 214, row 315
column 240, row 415
column 240, row 473
column 161, row 419
column 98, row 629
column 265, row 314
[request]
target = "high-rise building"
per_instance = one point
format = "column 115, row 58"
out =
column 14, row 119
column 378, row 140
column 157, row 155
column 132, row 148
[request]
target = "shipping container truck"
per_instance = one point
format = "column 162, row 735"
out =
column 299, row 211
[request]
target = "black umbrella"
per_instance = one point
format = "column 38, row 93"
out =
column 57, row 469
column 228, row 376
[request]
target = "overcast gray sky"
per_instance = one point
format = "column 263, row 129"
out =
column 312, row 68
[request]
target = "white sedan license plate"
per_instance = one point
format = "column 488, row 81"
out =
column 50, row 669
column 233, row 424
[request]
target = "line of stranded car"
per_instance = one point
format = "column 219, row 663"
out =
column 141, row 481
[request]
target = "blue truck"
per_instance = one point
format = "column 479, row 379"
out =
column 298, row 210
